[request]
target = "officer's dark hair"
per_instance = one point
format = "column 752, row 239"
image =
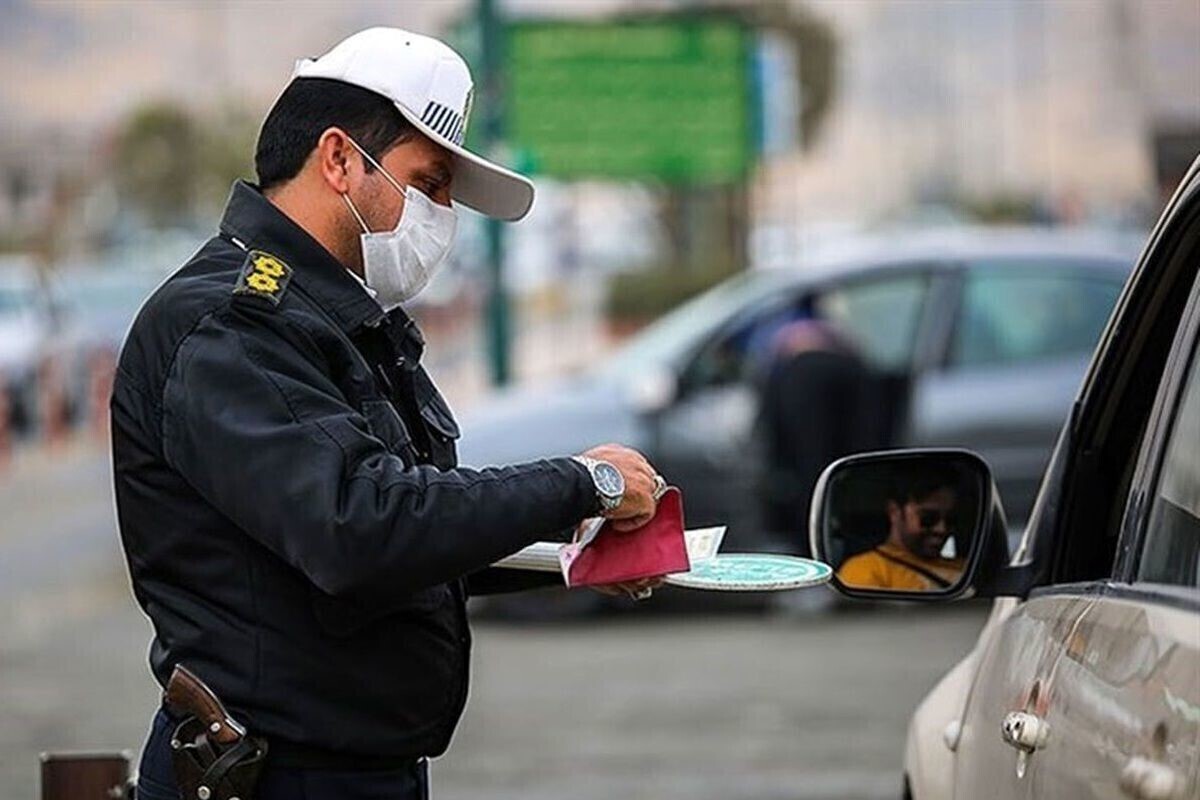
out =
column 309, row 106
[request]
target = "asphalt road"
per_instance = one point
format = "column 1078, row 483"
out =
column 641, row 705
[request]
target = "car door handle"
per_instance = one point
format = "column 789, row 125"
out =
column 1024, row 731
column 1145, row 779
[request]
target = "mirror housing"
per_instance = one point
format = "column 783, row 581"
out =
column 961, row 548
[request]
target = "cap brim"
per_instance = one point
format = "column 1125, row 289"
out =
column 478, row 183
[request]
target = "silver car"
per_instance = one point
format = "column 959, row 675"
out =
column 985, row 334
column 1085, row 681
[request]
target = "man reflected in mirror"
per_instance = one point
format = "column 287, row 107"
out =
column 922, row 514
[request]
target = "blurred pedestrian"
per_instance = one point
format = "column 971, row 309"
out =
column 294, row 519
column 820, row 402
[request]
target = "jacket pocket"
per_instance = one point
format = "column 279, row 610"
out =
column 443, row 430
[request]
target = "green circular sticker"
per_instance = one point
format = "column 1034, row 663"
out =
column 753, row 572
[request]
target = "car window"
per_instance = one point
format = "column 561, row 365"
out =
column 880, row 316
column 1011, row 317
column 1171, row 547
column 670, row 337
column 745, row 351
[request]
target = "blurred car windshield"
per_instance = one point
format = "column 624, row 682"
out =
column 674, row 335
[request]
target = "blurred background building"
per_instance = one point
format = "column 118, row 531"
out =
column 126, row 116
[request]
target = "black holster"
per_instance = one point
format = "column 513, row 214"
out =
column 205, row 770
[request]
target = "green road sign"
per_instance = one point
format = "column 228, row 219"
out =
column 665, row 98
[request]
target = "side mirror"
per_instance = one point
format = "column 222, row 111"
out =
column 909, row 525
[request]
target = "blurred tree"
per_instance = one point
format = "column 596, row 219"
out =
column 1007, row 209
column 157, row 163
column 226, row 154
column 816, row 47
column 706, row 228
column 816, row 51
column 171, row 168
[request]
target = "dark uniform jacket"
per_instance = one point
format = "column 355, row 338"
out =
column 295, row 524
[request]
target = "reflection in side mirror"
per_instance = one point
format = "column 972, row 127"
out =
column 903, row 522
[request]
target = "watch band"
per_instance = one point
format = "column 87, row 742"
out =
column 607, row 502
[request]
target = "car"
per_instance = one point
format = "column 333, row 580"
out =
column 103, row 302
column 964, row 322
column 1084, row 682
column 31, row 325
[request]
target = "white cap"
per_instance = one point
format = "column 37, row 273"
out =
column 431, row 86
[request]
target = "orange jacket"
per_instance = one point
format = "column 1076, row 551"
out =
column 891, row 567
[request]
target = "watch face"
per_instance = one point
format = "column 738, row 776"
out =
column 608, row 480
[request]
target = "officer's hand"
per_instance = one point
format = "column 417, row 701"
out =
column 639, row 504
column 638, row 590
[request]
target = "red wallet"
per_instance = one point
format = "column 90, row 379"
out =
column 611, row 556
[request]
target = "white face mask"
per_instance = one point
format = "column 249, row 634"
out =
column 399, row 263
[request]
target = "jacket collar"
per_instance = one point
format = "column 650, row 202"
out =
column 257, row 224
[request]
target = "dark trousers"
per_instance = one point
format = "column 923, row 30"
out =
column 156, row 781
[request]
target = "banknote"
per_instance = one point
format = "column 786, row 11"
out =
column 703, row 544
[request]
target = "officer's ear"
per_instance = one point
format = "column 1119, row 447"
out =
column 335, row 159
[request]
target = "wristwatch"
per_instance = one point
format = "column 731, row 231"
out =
column 608, row 480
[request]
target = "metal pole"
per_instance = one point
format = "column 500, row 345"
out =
column 497, row 322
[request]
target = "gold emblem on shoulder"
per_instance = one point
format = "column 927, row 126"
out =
column 263, row 275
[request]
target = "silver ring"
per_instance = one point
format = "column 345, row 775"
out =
column 643, row 594
column 660, row 486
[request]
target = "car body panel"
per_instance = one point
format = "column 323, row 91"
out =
column 704, row 443
column 549, row 420
column 1127, row 687
column 935, row 729
column 1016, row 672
column 928, row 757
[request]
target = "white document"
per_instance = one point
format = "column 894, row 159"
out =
column 702, row 545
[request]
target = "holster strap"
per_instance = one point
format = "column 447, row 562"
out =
column 218, row 769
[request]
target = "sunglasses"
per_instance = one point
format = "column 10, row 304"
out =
column 929, row 517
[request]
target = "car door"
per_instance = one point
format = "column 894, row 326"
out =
column 1127, row 720
column 703, row 440
column 1016, row 676
column 1023, row 333
column 1044, row 718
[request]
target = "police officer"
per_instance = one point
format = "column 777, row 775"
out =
column 294, row 521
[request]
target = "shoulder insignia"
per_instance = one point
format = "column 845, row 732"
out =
column 263, row 275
